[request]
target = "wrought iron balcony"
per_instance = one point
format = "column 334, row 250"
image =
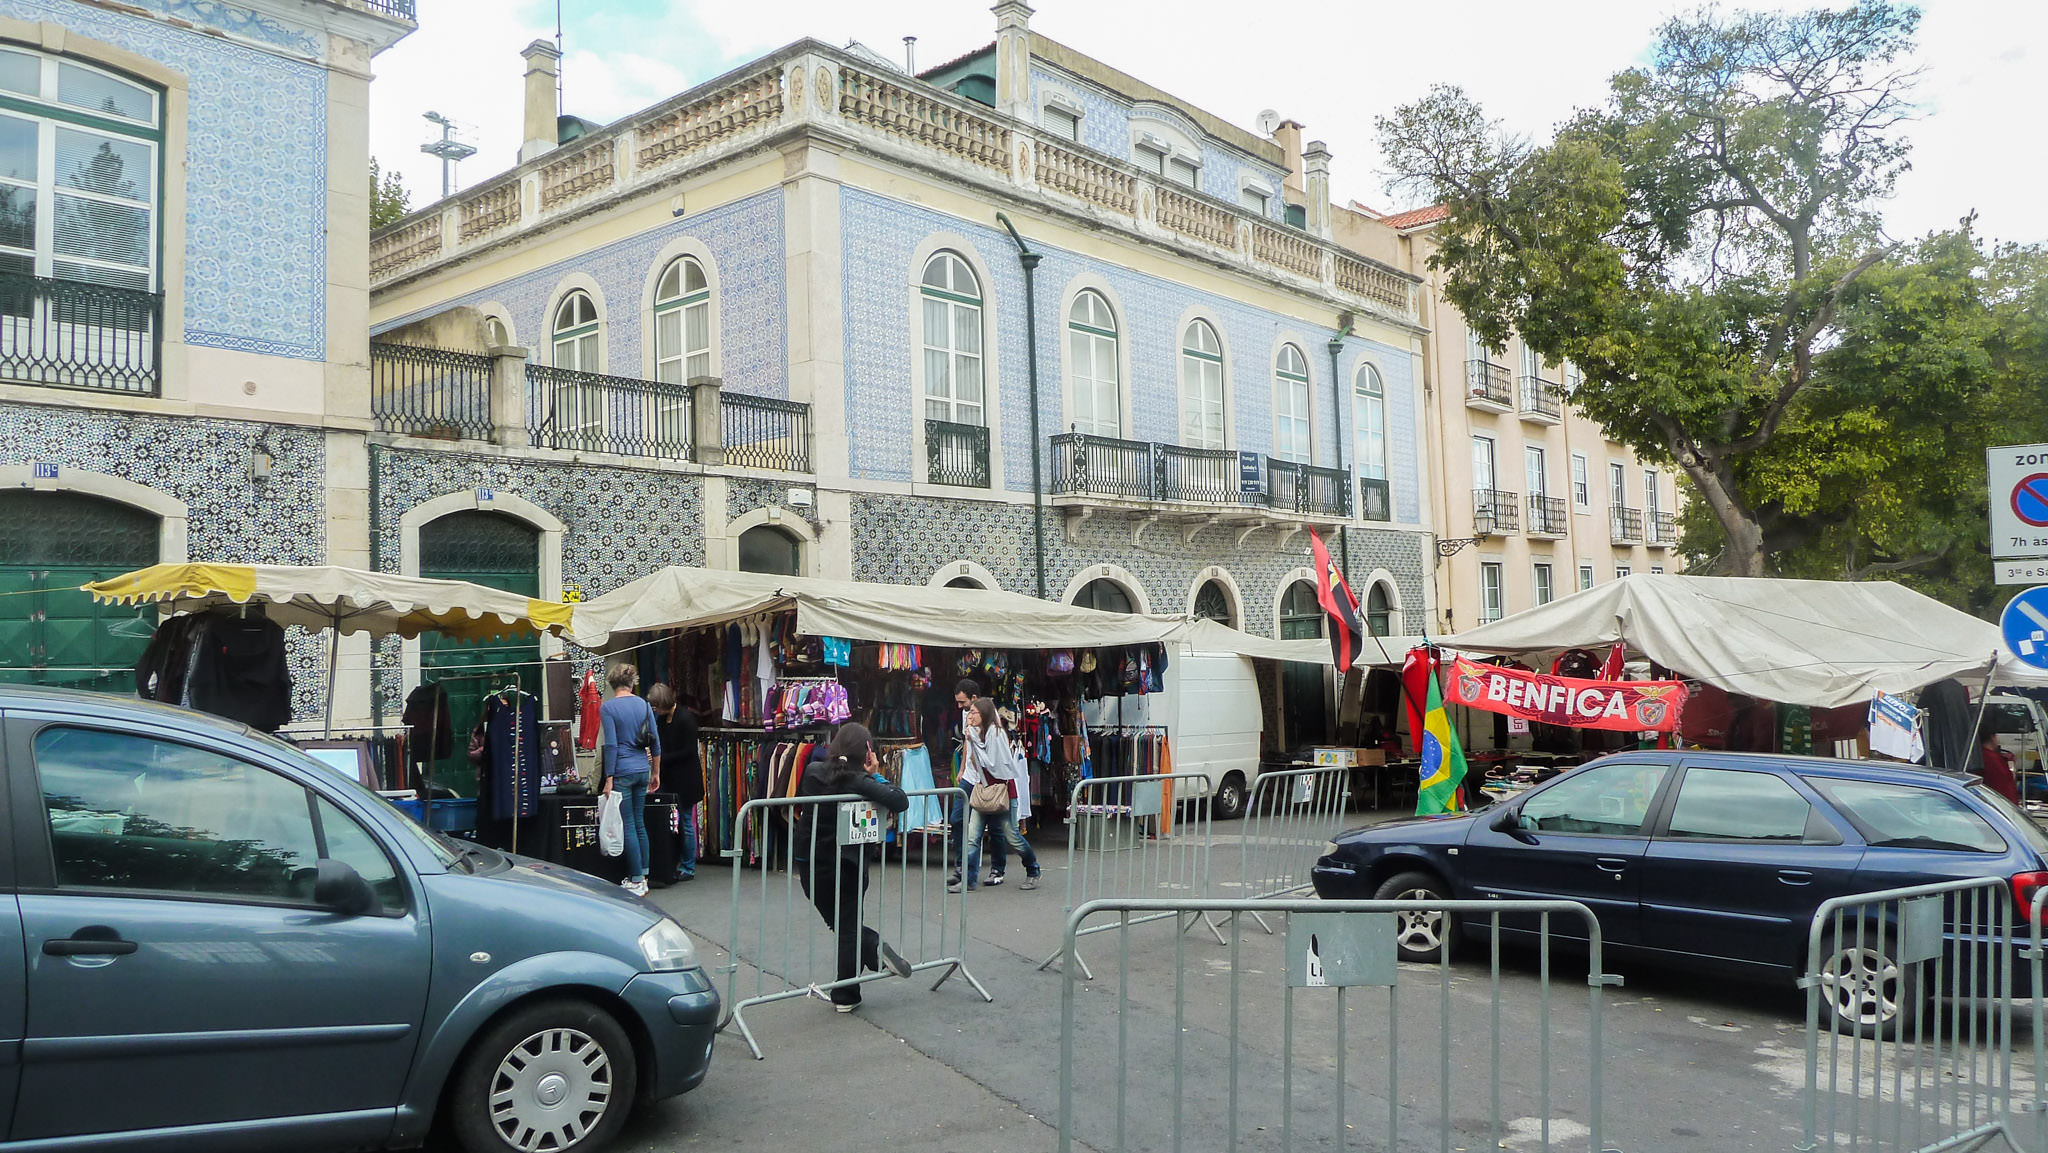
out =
column 1547, row 516
column 1200, row 476
column 1542, row 403
column 1308, row 490
column 956, row 454
column 1205, row 481
column 1489, row 386
column 395, row 9
column 1086, row 465
column 1663, row 528
column 1627, row 524
column 1495, row 511
column 1375, row 500
column 622, row 415
column 430, row 392
column 71, row 334
column 765, row 432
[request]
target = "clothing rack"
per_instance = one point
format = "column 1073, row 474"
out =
column 515, row 685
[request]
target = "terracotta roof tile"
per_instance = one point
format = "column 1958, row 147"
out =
column 1416, row 217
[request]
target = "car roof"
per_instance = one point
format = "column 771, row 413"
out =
column 1888, row 771
column 108, row 706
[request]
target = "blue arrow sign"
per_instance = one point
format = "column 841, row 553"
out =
column 2025, row 625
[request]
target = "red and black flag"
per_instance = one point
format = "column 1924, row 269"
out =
column 1347, row 630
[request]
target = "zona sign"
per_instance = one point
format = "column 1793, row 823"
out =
column 2018, row 476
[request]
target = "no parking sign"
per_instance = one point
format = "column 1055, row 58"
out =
column 2019, row 508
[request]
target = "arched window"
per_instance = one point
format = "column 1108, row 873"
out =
column 1369, row 400
column 682, row 323
column 1201, row 387
column 1301, row 617
column 767, row 549
column 952, row 341
column 1212, row 602
column 496, row 551
column 1104, row 594
column 576, row 333
column 50, row 543
column 1092, row 367
column 578, row 416
column 496, row 335
column 963, row 583
column 1290, row 406
column 1379, row 611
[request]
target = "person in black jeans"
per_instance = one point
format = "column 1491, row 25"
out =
column 681, row 769
column 836, row 876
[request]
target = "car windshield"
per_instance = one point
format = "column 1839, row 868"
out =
column 2029, row 832
column 442, row 849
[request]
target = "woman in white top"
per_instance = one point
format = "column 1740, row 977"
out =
column 987, row 757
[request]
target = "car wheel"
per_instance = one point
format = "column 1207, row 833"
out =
column 1423, row 936
column 556, row 1075
column 1864, row 990
column 1228, row 803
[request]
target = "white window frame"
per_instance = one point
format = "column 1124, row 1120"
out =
column 1258, row 200
column 1060, row 121
column 1095, row 391
column 1293, row 425
column 1651, row 506
column 577, row 347
column 1184, row 171
column 678, row 358
column 962, row 312
column 1622, row 570
column 1582, row 485
column 1369, row 402
column 1617, row 485
column 1657, row 570
column 1542, row 582
column 1490, row 482
column 1202, row 423
column 1491, row 606
column 1536, row 470
column 1585, row 577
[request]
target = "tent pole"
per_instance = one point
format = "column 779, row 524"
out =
column 1983, row 706
column 333, row 674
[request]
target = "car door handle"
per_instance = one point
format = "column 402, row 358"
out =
column 1795, row 876
column 91, row 941
column 1611, row 864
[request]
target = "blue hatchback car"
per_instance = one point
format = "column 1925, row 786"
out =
column 209, row 940
column 1708, row 860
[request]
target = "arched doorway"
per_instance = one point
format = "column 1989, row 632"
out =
column 1106, row 595
column 1379, row 611
column 51, row 633
column 1212, row 602
column 500, row 552
column 1304, row 688
column 963, row 582
column 767, row 549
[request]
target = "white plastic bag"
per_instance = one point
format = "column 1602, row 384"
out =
column 611, row 824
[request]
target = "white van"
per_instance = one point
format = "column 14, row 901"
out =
column 1211, row 711
column 2021, row 724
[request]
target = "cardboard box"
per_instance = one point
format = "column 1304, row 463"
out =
column 1335, row 758
column 1368, row 758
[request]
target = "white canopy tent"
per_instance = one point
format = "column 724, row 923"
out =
column 1817, row 643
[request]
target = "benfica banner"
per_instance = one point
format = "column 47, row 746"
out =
column 1629, row 706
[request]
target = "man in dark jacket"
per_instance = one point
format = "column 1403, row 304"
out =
column 835, row 876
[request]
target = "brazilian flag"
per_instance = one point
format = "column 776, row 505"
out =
column 1443, row 763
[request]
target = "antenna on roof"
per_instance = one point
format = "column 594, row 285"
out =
column 559, row 105
column 448, row 149
column 910, row 55
column 1268, row 121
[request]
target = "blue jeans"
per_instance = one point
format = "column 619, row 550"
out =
column 1004, row 824
column 687, row 866
column 632, row 790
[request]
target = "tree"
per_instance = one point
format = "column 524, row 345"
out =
column 1691, row 244
column 389, row 200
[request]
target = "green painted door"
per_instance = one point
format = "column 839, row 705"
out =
column 497, row 551
column 51, row 633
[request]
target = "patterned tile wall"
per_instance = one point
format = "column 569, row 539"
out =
column 880, row 236
column 745, row 240
column 204, row 463
column 1105, row 121
column 1225, row 173
column 255, row 262
column 904, row 540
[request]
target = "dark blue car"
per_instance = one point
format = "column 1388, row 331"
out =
column 210, row 940
column 1709, row 860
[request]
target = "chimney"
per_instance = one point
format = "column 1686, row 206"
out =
column 543, row 70
column 910, row 55
column 1316, row 160
column 1287, row 134
column 1013, row 58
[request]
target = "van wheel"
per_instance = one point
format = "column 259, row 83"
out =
column 555, row 1075
column 1424, row 936
column 1228, row 803
column 1864, row 990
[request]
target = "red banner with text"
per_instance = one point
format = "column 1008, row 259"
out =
column 1628, row 706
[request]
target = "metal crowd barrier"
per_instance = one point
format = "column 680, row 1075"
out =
column 1137, row 836
column 1273, row 1058
column 1288, row 818
column 1909, row 1012
column 905, row 899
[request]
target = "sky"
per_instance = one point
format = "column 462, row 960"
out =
column 1333, row 65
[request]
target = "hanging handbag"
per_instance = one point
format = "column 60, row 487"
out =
column 1072, row 750
column 990, row 797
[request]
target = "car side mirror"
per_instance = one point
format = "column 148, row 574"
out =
column 338, row 888
column 1508, row 820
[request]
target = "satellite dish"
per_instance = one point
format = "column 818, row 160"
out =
column 1268, row 121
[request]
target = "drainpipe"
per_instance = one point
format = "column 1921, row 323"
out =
column 376, row 565
column 1029, row 260
column 1337, row 413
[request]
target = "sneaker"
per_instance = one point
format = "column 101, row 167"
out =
column 953, row 883
column 1030, row 880
column 995, row 879
column 640, row 887
column 839, row 1008
column 893, row 961
column 630, row 886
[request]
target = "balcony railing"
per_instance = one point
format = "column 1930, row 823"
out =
column 764, row 432
column 1308, row 490
column 1541, row 400
column 1489, row 384
column 1088, row 465
column 1663, row 528
column 1375, row 500
column 956, row 454
column 1494, row 511
column 1627, row 524
column 430, row 392
column 1200, row 476
column 591, row 412
column 1546, row 515
column 71, row 334
column 396, row 9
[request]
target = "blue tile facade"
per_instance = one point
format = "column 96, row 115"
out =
column 745, row 241
column 881, row 235
column 255, row 260
column 1105, row 121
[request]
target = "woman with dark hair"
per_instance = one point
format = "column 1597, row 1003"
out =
column 835, row 876
column 989, row 759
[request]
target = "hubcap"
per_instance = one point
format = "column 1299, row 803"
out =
column 1421, row 931
column 550, row 1090
column 1863, row 985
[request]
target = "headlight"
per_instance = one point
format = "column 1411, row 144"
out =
column 1329, row 848
column 667, row 947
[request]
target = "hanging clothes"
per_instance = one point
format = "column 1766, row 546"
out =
column 426, row 713
column 511, row 780
column 589, row 699
column 228, row 663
